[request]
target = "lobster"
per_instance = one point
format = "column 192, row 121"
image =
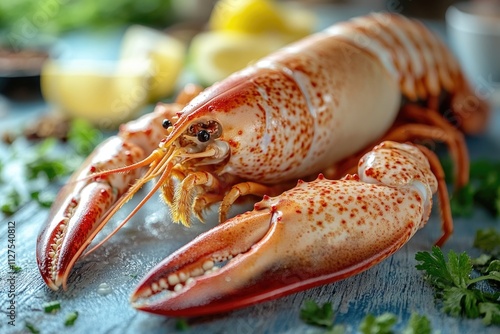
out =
column 316, row 106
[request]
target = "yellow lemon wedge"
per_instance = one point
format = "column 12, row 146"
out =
column 105, row 93
column 166, row 54
column 249, row 16
column 244, row 31
column 262, row 16
column 216, row 54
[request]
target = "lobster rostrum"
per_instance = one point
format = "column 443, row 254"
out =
column 316, row 106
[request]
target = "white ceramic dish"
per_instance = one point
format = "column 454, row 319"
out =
column 474, row 31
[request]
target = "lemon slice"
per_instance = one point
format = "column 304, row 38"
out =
column 105, row 93
column 217, row 54
column 250, row 16
column 166, row 54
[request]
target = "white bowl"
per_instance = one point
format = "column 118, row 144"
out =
column 474, row 31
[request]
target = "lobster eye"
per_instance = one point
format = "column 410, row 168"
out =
column 203, row 136
column 166, row 123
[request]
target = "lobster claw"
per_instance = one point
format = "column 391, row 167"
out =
column 189, row 283
column 316, row 233
column 80, row 206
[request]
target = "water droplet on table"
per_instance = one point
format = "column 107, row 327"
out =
column 104, row 289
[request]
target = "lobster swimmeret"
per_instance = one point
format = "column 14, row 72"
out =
column 315, row 106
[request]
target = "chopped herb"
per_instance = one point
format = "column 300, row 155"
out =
column 45, row 146
column 31, row 328
column 15, row 268
column 83, row 137
column 52, row 307
column 314, row 314
column 489, row 241
column 50, row 167
column 452, row 279
column 381, row 324
column 47, row 162
column 322, row 316
column 133, row 275
column 462, row 201
column 44, row 199
column 418, row 324
column 483, row 189
column 491, row 312
column 12, row 202
column 181, row 324
column 71, row 318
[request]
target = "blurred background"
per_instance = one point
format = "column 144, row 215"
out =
column 108, row 61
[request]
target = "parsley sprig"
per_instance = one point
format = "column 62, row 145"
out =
column 452, row 278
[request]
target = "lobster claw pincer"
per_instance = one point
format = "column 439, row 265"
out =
column 313, row 234
column 81, row 204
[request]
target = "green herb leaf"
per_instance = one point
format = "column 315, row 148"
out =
column 483, row 190
column 488, row 240
column 493, row 268
column 462, row 201
column 482, row 260
column 51, row 168
column 181, row 324
column 491, row 313
column 71, row 318
column 12, row 202
column 314, row 314
column 31, row 328
column 44, row 199
column 15, row 268
column 337, row 329
column 46, row 146
column 381, row 324
column 418, row 324
column 434, row 264
column 452, row 280
column 52, row 307
column 83, row 137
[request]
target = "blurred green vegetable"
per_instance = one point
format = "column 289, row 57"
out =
column 71, row 318
column 23, row 20
column 483, row 189
column 52, row 307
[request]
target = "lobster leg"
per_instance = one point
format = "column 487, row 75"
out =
column 455, row 139
column 458, row 150
column 186, row 194
column 315, row 233
column 437, row 130
column 244, row 189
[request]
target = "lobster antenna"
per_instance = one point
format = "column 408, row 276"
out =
column 164, row 169
column 153, row 157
